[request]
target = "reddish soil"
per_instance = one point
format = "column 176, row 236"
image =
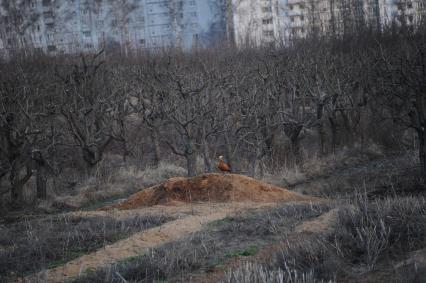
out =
column 209, row 188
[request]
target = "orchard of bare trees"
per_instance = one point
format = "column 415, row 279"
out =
column 263, row 109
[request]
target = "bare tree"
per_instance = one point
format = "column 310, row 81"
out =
column 402, row 77
column 91, row 106
column 21, row 129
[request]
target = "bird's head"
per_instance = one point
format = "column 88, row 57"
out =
column 221, row 157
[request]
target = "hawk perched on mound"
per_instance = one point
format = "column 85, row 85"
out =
column 223, row 166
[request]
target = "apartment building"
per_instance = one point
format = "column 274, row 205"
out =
column 335, row 17
column 70, row 26
column 258, row 22
column 407, row 12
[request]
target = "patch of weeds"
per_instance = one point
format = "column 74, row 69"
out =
column 209, row 249
column 367, row 235
column 252, row 250
column 215, row 265
column 34, row 245
column 257, row 273
column 219, row 222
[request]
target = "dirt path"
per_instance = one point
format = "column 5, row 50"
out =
column 323, row 224
column 140, row 243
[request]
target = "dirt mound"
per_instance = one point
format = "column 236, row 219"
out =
column 209, row 188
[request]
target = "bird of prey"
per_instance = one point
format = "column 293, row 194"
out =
column 223, row 166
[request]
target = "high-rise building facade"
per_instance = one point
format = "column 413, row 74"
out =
column 266, row 22
column 68, row 26
column 336, row 17
column 72, row 26
column 258, row 22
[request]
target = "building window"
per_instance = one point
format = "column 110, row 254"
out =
column 290, row 7
column 46, row 3
column 51, row 48
column 266, row 9
column 141, row 19
column 48, row 14
column 267, row 21
column 142, row 41
column 192, row 3
column 268, row 33
column 193, row 14
column 180, row 5
column 302, row 18
column 86, row 33
column 50, row 26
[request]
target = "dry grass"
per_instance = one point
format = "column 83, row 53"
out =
column 367, row 234
column 257, row 273
column 368, row 237
column 202, row 251
column 154, row 175
column 108, row 184
column 31, row 246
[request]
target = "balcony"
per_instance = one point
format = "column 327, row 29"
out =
column 296, row 2
column 268, row 33
column 267, row 21
column 266, row 9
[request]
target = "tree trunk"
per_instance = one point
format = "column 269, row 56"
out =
column 228, row 153
column 91, row 155
column 157, row 148
column 422, row 152
column 257, row 155
column 191, row 164
column 253, row 165
column 17, row 193
column 40, row 164
column 295, row 149
column 41, row 184
column 206, row 157
column 293, row 131
column 191, row 157
column 333, row 128
column 322, row 135
column 347, row 126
